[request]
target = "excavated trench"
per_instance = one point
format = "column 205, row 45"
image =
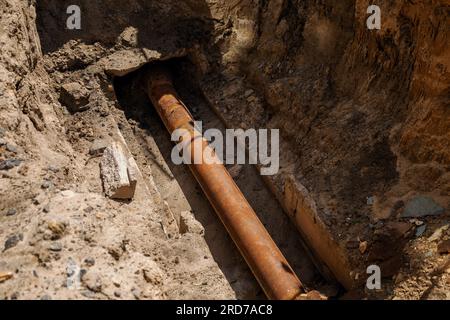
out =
column 363, row 117
column 182, row 192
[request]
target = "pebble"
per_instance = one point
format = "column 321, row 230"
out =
column 4, row 276
column 416, row 222
column 88, row 209
column 11, row 148
column 46, row 184
column 11, row 212
column 89, row 261
column 88, row 294
column 12, row 241
column 55, row 247
column 92, row 281
column 248, row 93
column 56, row 228
column 136, row 293
column 53, row 168
column 9, row 164
column 363, row 247
column 46, row 209
column 420, row 230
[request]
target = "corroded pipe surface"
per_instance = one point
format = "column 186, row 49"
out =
column 267, row 263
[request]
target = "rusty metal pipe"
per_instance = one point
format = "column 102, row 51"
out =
column 267, row 263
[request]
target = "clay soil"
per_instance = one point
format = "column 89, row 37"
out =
column 364, row 118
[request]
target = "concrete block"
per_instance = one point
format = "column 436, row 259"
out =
column 119, row 173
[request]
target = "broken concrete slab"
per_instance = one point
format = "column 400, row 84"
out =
column 125, row 61
column 119, row 173
column 421, row 206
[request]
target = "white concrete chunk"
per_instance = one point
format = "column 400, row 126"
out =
column 119, row 174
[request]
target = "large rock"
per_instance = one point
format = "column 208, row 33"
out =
column 74, row 96
column 119, row 174
column 421, row 206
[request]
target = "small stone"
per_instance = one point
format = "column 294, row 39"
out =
column 57, row 229
column 416, row 222
column 89, row 261
column 11, row 212
column 46, row 297
column 74, row 96
column 12, row 241
column 420, row 230
column 422, row 206
column 55, row 246
column 46, row 208
column 88, row 209
column 53, row 168
column 4, row 276
column 9, row 164
column 248, row 93
column 251, row 99
column 437, row 234
column 363, row 247
column 428, row 254
column 136, row 293
column 11, row 148
column 129, row 37
column 46, row 184
column 444, row 247
column 88, row 294
column 117, row 294
column 92, row 281
column 67, row 193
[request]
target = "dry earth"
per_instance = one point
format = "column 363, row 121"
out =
column 365, row 123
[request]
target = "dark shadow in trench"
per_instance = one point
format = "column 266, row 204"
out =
column 161, row 25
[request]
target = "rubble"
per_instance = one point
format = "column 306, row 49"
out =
column 119, row 173
column 74, row 96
